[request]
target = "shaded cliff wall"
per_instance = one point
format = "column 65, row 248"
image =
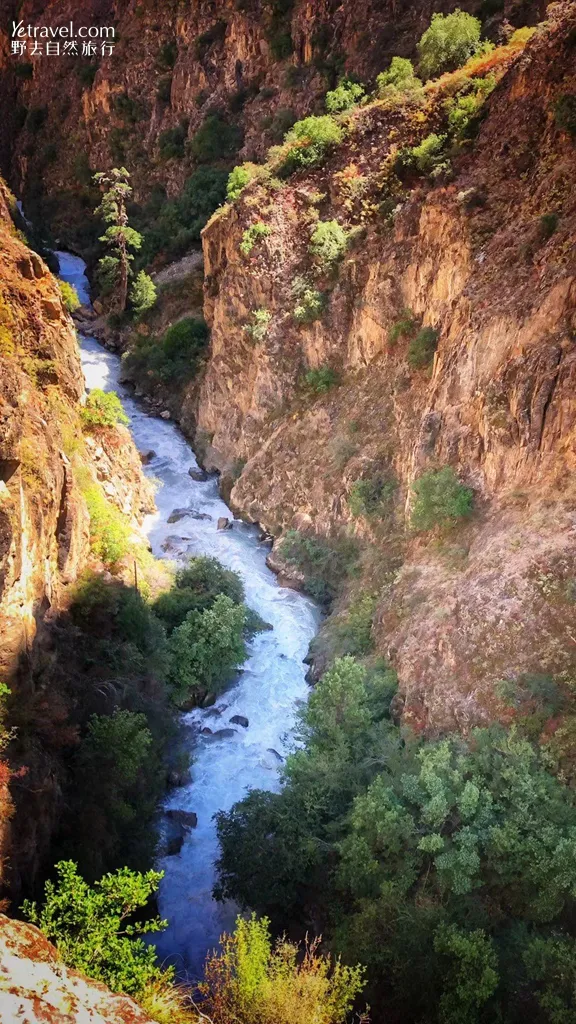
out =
column 44, row 530
column 470, row 259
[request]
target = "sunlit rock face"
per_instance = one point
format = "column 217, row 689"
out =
column 37, row 987
column 491, row 601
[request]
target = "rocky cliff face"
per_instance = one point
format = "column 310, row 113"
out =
column 36, row 986
column 44, row 521
column 257, row 64
column 474, row 260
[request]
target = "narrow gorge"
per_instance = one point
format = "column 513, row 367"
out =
column 287, row 537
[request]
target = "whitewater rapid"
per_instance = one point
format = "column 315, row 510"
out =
column 270, row 689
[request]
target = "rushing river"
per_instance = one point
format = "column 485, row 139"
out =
column 270, row 687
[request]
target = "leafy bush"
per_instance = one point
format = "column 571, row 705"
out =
column 196, row 587
column 171, row 226
column 371, row 496
column 95, row 929
column 69, row 296
column 214, row 34
column 239, row 178
column 548, row 225
column 173, row 358
column 328, row 244
column 440, row 499
column 103, row 409
column 110, row 534
column 142, row 293
column 250, row 980
column 565, row 113
column 320, row 380
column 87, row 73
column 35, row 119
column 422, row 348
column 448, row 43
column 258, row 327
column 310, row 303
column 463, row 110
column 324, row 563
column 446, row 866
column 7, row 346
column 353, row 631
column 171, row 142
column 167, row 55
column 346, row 95
column 404, row 327
column 308, row 143
column 251, row 236
column 428, row 157
column 398, row 82
column 216, row 139
column 206, row 648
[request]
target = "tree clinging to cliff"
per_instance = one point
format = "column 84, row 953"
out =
column 119, row 237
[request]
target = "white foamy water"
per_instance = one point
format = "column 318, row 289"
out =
column 270, row 687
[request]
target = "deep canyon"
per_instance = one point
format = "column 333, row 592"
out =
column 380, row 386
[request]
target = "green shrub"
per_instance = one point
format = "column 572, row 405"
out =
column 35, row 119
column 353, row 631
column 142, row 293
column 171, row 226
column 164, row 90
column 548, row 225
column 464, row 109
column 110, row 533
column 404, row 327
column 171, row 142
column 372, row 496
column 565, row 113
column 103, row 409
column 167, row 55
column 325, row 563
column 239, row 178
column 172, row 358
column 251, row 236
column 346, row 95
column 206, row 648
column 328, row 244
column 216, row 139
column 257, row 329
column 448, row 43
column 96, row 929
column 428, row 157
column 320, row 381
column 310, row 303
column 422, row 348
column 196, row 587
column 399, row 83
column 69, row 296
column 251, row 980
column 131, row 111
column 308, row 143
column 440, row 499
column 24, row 69
column 87, row 73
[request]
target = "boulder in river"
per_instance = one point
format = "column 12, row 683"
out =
column 205, row 731
column 183, row 513
column 165, row 414
column 240, row 720
column 189, row 819
column 224, row 523
column 223, row 734
column 200, row 475
column 146, row 457
column 270, row 750
column 177, row 779
column 174, row 845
